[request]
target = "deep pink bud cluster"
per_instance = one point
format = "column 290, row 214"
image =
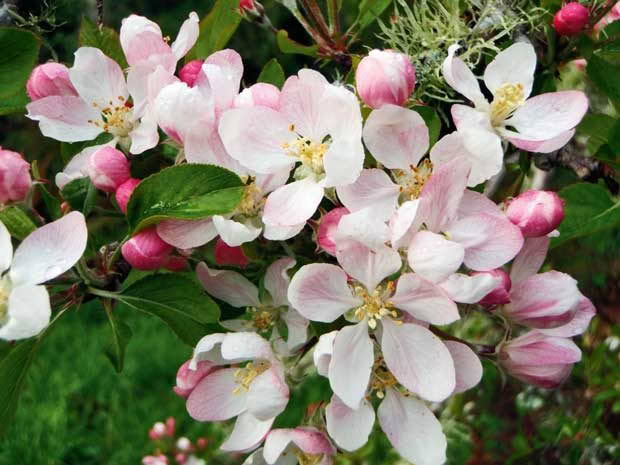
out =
column 49, row 79
column 15, row 180
column 189, row 73
column 571, row 19
column 537, row 213
column 385, row 77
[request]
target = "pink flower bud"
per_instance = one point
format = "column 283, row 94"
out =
column 266, row 95
column 123, row 193
column 155, row 460
column 537, row 213
column 49, row 79
column 499, row 295
column 187, row 379
column 538, row 359
column 170, row 426
column 246, row 4
column 158, row 431
column 189, row 73
column 15, row 180
column 180, row 458
column 383, row 77
column 545, row 300
column 328, row 226
column 146, row 250
column 175, row 263
column 201, row 443
column 227, row 255
column 108, row 168
column 571, row 19
column 184, row 444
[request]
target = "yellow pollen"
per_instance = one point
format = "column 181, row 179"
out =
column 116, row 118
column 244, row 376
column 309, row 152
column 252, row 201
column 411, row 182
column 381, row 378
column 308, row 459
column 507, row 99
column 262, row 318
column 375, row 307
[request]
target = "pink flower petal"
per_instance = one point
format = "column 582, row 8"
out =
column 514, row 65
column 467, row 366
column 323, row 351
column 268, row 395
column 578, row 325
column 223, row 71
column 434, row 257
column 367, row 266
column 186, row 234
column 234, row 233
column 530, row 258
column 229, row 286
column 307, row 439
column 460, row 78
column 474, row 203
column 293, row 203
column 213, row 398
column 277, row 280
column 469, row 289
column 243, row 346
column 349, row 428
column 247, row 433
column 98, row 79
column 188, row 34
column 373, row 189
column 28, row 312
column 543, row 146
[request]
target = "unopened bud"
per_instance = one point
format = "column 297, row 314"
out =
column 189, row 73
column 263, row 94
column 328, row 226
column 146, row 250
column 383, row 77
column 124, row 191
column 187, row 379
column 158, row 431
column 184, row 444
column 15, row 180
column 536, row 213
column 227, row 255
column 108, row 168
column 571, row 19
column 499, row 295
column 49, row 79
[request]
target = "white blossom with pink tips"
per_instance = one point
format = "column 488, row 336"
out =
column 318, row 126
column 290, row 446
column 543, row 123
column 247, row 383
column 264, row 314
column 43, row 255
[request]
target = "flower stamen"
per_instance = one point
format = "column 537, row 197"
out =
column 507, row 99
column 244, row 376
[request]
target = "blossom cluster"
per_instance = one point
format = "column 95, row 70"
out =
column 402, row 237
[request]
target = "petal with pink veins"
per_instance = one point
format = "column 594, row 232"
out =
column 405, row 222
column 467, row 366
column 223, row 70
column 373, row 189
column 323, row 351
column 229, row 286
column 424, row 300
column 396, row 136
column 433, row 256
column 578, row 325
column 367, row 266
column 188, row 34
column 469, row 289
column 351, row 365
column 474, row 203
column 98, row 79
column 277, row 280
column 234, row 233
column 186, row 234
column 293, row 203
column 514, row 65
column 530, row 258
column 458, row 76
column 213, row 398
column 349, row 428
column 363, row 226
column 268, row 395
column 543, row 146
column 307, row 439
column 418, row 359
column 243, row 346
column 412, row 429
column 247, row 433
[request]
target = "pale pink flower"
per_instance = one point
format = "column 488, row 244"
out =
column 49, row 79
column 538, row 359
column 385, row 77
column 543, row 123
column 302, row 445
column 255, row 393
column 236, row 290
column 263, row 94
column 15, row 180
column 44, row 254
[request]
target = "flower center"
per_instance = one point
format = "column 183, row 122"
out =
column 252, row 201
column 116, row 119
column 507, row 99
column 309, row 152
column 411, row 182
column 263, row 318
column 307, row 459
column 5, row 291
column 381, row 378
column 244, row 376
column 375, row 305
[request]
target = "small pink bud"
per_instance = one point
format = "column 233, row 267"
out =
column 263, row 94
column 227, row 255
column 108, row 168
column 15, row 180
column 184, row 444
column 180, row 458
column 571, row 19
column 201, row 443
column 499, row 295
column 246, row 4
column 383, row 77
column 123, row 193
column 538, row 359
column 158, row 431
column 537, row 213
column 155, row 460
column 189, row 73
column 170, row 426
column 49, row 79
column 328, row 225
column 187, row 379
column 146, row 250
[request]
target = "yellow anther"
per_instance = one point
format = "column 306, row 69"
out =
column 411, row 182
column 308, row 459
column 507, row 99
column 252, row 201
column 244, row 376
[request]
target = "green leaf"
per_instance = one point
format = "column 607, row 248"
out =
column 17, row 222
column 609, row 156
column 605, row 76
column 121, row 334
column 19, row 50
column 51, row 203
column 69, row 150
column 14, row 104
column 103, row 38
column 370, row 10
column 287, row 45
column 216, row 29
column 189, row 191
column 431, row 118
column 178, row 301
column 588, row 209
column 81, row 195
column 598, row 128
column 272, row 73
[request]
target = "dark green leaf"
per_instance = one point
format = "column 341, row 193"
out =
column 121, row 333
column 178, row 301
column 69, row 150
column 430, row 117
column 586, row 46
column 19, row 50
column 610, row 31
column 14, row 104
column 370, row 10
column 272, row 73
column 588, row 209
column 51, row 203
column 598, row 129
column 81, row 195
column 605, row 75
column 189, row 191
column 216, row 29
column 287, row 45
column 609, row 156
column 103, row 38
column 17, row 222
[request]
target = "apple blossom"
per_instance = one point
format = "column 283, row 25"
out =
column 306, row 443
column 146, row 250
column 499, row 295
column 15, row 180
column 49, row 79
column 385, row 77
column 571, row 19
column 536, row 212
column 44, row 254
column 187, row 379
column 108, row 169
column 255, row 393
